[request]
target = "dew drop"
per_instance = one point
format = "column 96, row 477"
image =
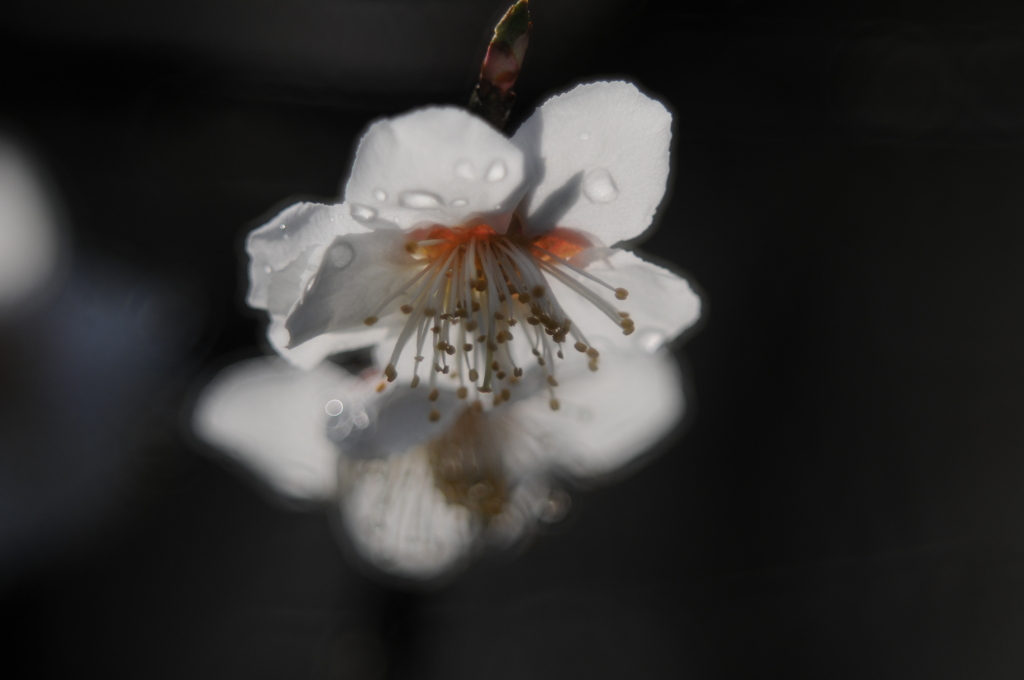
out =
column 380, row 195
column 420, row 200
column 497, row 171
column 459, row 202
column 651, row 340
column 340, row 254
column 283, row 227
column 268, row 269
column 363, row 213
column 465, row 169
column 599, row 187
column 334, row 407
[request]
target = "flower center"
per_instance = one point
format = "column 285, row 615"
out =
column 474, row 288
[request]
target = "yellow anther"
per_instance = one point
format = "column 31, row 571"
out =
column 621, row 293
column 381, row 386
column 552, row 381
column 593, row 353
column 435, row 415
column 471, row 325
column 580, row 347
column 390, row 373
column 406, row 309
column 473, row 375
column 434, row 394
column 415, row 382
column 370, row 320
column 461, row 392
column 554, row 405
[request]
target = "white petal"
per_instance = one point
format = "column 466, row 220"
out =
column 28, row 229
column 603, row 155
column 400, row 521
column 606, row 418
column 435, row 166
column 661, row 303
column 285, row 252
column 274, row 419
column 343, row 282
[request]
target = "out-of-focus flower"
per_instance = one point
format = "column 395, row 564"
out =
column 28, row 227
column 418, row 498
column 465, row 255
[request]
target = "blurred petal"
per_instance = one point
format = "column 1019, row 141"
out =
column 435, row 166
column 606, row 418
column 274, row 419
column 28, row 230
column 603, row 151
column 661, row 304
column 400, row 521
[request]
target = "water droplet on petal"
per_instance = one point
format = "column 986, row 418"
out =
column 459, row 202
column 599, row 187
column 651, row 340
column 421, row 200
column 465, row 169
column 284, row 226
column 363, row 213
column 497, row 171
column 340, row 254
column 380, row 195
column 268, row 269
column 334, row 407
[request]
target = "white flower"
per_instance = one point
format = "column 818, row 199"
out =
column 463, row 254
column 418, row 498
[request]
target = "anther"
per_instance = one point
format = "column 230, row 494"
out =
column 471, row 325
column 478, row 406
column 552, row 381
column 495, row 365
column 429, row 311
column 406, row 309
column 505, row 395
column 474, row 375
column 580, row 347
column 538, row 291
column 370, row 320
column 390, row 373
column 434, row 394
column 500, row 375
column 593, row 353
column 518, row 372
column 380, row 387
column 554, row 404
column 461, row 392
column 524, row 297
column 415, row 382
column 532, row 320
column 560, row 355
column 449, row 350
column 468, row 347
column 621, row 293
column 435, row 415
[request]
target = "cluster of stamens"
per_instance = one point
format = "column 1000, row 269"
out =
column 476, row 292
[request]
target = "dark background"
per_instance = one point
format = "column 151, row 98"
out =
column 844, row 500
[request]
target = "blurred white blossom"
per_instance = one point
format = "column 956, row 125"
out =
column 419, row 498
column 28, row 226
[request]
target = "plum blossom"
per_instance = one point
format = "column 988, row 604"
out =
column 417, row 499
column 466, row 258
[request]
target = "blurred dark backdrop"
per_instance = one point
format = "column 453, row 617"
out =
column 845, row 501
